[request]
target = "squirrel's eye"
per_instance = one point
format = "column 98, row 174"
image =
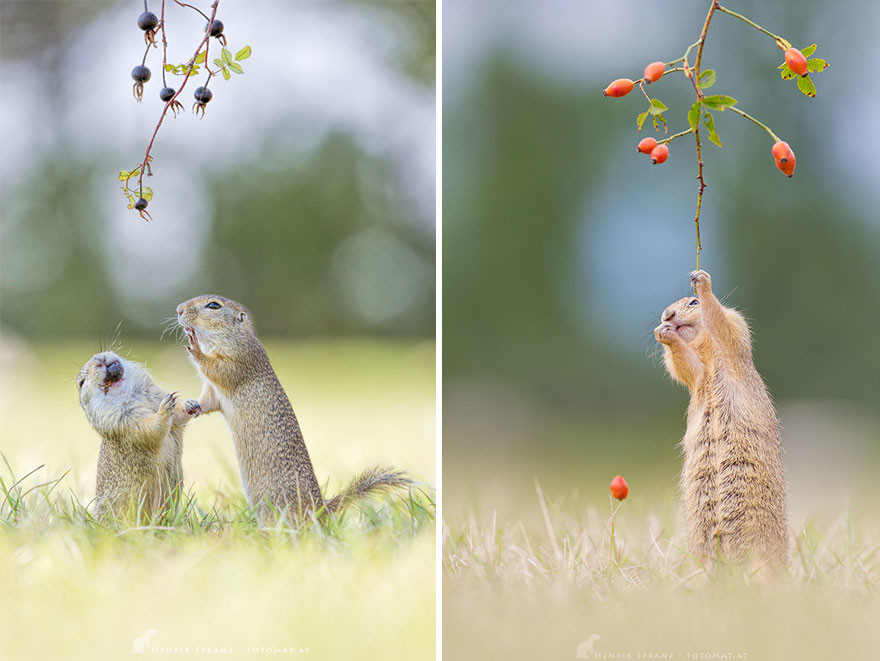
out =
column 213, row 305
column 79, row 384
column 694, row 301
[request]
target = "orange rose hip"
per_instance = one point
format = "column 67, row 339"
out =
column 654, row 72
column 619, row 488
column 646, row 145
column 781, row 151
column 619, row 87
column 659, row 154
column 796, row 61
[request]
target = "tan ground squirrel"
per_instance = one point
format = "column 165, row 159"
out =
column 141, row 428
column 239, row 381
column 732, row 482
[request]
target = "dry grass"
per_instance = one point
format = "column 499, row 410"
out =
column 539, row 586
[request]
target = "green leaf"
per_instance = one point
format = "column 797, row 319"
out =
column 640, row 120
column 660, row 118
column 170, row 67
column 123, row 175
column 806, row 86
column 709, row 121
column 226, row 74
column 236, row 67
column 787, row 74
column 147, row 193
column 694, row 114
column 809, row 50
column 220, row 63
column 226, row 55
column 719, row 101
column 244, row 53
column 709, row 76
column 656, row 107
column 817, row 64
column 131, row 200
column 201, row 57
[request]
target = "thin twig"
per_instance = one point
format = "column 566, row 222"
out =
column 144, row 165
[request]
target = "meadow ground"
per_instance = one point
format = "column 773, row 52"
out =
column 209, row 581
column 529, row 571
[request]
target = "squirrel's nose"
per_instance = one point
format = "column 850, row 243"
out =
column 180, row 309
column 667, row 315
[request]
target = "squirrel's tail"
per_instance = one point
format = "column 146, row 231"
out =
column 377, row 478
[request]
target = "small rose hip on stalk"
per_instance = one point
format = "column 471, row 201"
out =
column 646, row 145
column 654, row 72
column 619, row 488
column 784, row 157
column 796, row 61
column 619, row 87
column 659, row 154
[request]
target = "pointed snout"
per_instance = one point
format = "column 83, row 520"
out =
column 180, row 310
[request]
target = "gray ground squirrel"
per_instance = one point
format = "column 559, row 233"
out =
column 732, row 483
column 141, row 428
column 239, row 381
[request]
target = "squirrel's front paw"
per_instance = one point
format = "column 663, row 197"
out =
column 701, row 280
column 166, row 408
column 665, row 333
column 193, row 408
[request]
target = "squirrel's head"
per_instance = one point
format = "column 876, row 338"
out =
column 684, row 314
column 209, row 320
column 105, row 383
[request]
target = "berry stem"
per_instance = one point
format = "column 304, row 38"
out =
column 144, row 165
column 210, row 20
column 752, row 119
column 701, row 42
column 164, row 43
column 673, row 137
column 780, row 41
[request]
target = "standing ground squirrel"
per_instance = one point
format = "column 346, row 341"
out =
column 239, row 381
column 732, row 482
column 141, row 428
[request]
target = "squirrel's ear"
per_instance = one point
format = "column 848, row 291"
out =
column 241, row 316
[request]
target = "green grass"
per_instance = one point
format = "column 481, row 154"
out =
column 205, row 576
column 545, row 578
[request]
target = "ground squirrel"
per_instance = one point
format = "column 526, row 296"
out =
column 239, row 381
column 141, row 428
column 732, row 482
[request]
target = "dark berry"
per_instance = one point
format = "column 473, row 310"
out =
column 141, row 204
column 147, row 21
column 140, row 73
column 203, row 94
column 216, row 28
column 167, row 94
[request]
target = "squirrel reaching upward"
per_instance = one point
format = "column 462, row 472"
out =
column 276, row 470
column 141, row 428
column 732, row 483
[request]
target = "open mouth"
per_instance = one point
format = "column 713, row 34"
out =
column 112, row 375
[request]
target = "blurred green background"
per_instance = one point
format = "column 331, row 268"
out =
column 306, row 192
column 561, row 246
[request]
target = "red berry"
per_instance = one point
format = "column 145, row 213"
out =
column 646, row 145
column 796, row 61
column 619, row 488
column 619, row 87
column 781, row 150
column 787, row 166
column 659, row 154
column 654, row 72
